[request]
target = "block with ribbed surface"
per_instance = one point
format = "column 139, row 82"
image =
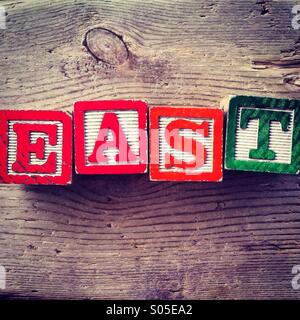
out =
column 35, row 147
column 263, row 134
column 110, row 137
column 186, row 144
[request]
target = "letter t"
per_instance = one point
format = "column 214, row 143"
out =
column 263, row 140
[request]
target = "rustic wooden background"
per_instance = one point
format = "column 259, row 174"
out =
column 124, row 236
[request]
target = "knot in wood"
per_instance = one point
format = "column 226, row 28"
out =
column 106, row 46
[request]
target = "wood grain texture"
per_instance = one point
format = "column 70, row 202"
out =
column 124, row 236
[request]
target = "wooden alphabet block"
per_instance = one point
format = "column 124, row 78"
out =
column 263, row 134
column 111, row 137
column 35, row 147
column 186, row 144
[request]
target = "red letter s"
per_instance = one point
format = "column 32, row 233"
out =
column 176, row 141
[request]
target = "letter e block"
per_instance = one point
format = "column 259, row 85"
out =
column 110, row 137
column 263, row 134
column 186, row 144
column 35, row 147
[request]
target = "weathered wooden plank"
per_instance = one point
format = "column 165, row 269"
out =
column 127, row 237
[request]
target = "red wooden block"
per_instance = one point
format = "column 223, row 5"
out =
column 35, row 147
column 186, row 144
column 110, row 137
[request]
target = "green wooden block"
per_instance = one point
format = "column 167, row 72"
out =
column 263, row 134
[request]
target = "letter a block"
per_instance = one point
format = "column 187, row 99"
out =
column 111, row 137
column 263, row 134
column 186, row 144
column 35, row 147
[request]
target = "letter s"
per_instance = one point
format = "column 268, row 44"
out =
column 185, row 144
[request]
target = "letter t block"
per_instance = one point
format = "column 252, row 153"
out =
column 263, row 134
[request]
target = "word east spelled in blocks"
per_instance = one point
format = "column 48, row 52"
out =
column 263, row 134
column 186, row 144
column 35, row 147
column 111, row 137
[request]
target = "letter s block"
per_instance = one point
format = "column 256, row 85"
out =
column 110, row 137
column 263, row 134
column 186, row 144
column 35, row 147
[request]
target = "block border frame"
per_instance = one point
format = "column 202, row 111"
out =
column 186, row 112
column 78, row 121
column 265, row 103
column 67, row 150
